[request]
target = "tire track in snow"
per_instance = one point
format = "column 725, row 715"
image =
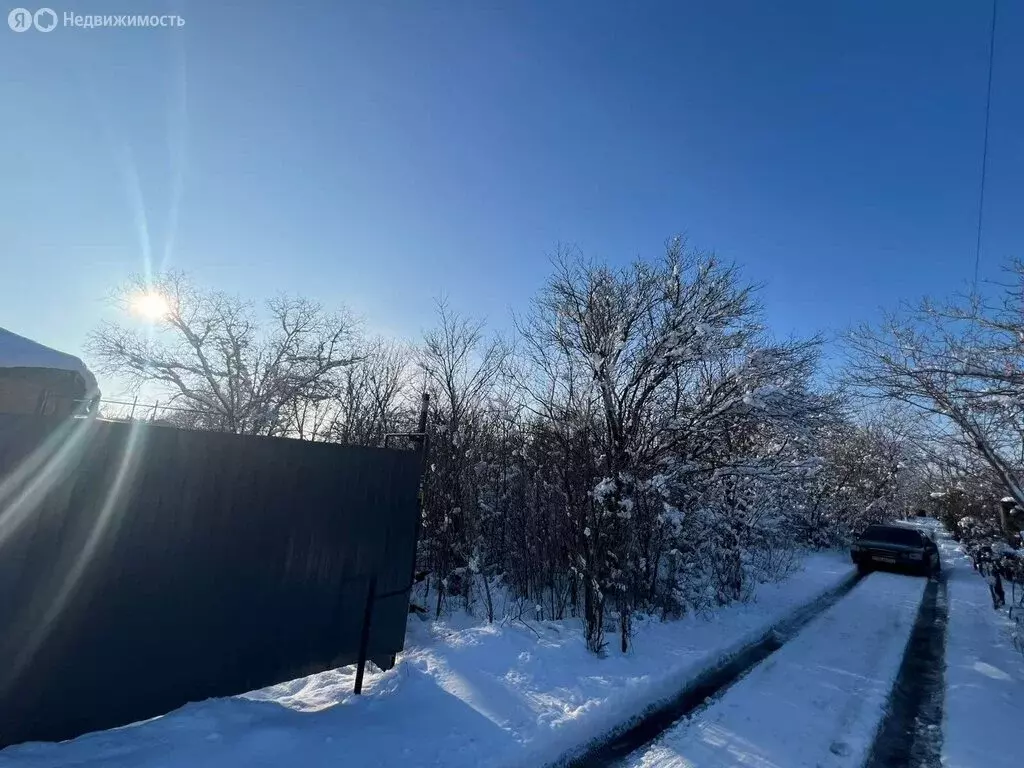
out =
column 911, row 734
column 819, row 702
column 711, row 684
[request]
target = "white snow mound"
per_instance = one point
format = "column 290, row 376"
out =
column 18, row 352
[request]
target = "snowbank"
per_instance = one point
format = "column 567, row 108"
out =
column 459, row 696
column 18, row 352
column 984, row 705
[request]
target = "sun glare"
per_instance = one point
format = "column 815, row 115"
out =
column 151, row 306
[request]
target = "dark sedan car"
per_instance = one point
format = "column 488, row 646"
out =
column 895, row 547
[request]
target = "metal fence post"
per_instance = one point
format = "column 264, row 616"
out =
column 422, row 440
column 424, row 448
column 364, row 639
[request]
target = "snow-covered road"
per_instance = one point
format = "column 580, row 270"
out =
column 818, row 701
column 984, row 705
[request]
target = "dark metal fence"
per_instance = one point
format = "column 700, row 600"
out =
column 142, row 567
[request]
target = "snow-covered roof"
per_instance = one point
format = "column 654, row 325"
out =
column 18, row 352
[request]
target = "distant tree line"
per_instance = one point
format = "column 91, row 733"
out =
column 640, row 444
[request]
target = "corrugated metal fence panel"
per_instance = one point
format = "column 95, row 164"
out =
column 143, row 567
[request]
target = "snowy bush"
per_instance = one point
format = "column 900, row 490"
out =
column 642, row 446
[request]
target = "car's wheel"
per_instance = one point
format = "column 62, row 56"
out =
column 863, row 569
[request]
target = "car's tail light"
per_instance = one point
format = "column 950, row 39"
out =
column 915, row 555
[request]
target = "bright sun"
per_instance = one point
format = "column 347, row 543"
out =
column 151, row 305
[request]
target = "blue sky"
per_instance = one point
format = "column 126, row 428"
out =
column 379, row 154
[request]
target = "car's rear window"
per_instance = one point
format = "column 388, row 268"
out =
column 892, row 535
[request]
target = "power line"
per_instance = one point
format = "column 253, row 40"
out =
column 984, row 150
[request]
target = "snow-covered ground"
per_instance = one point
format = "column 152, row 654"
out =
column 984, row 706
column 818, row 701
column 466, row 695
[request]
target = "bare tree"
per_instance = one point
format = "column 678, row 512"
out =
column 461, row 365
column 211, row 353
column 962, row 365
column 633, row 332
column 367, row 400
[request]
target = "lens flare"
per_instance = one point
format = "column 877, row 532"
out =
column 151, row 306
